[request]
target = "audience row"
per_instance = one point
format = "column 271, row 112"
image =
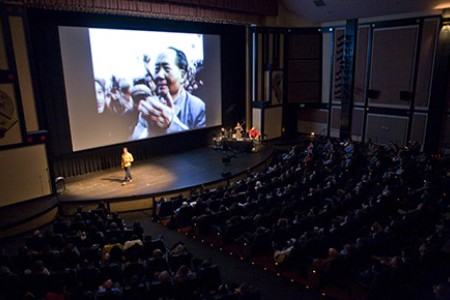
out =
column 336, row 212
column 94, row 255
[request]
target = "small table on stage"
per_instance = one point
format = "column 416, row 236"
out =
column 244, row 145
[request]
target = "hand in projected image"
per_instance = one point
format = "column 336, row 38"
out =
column 157, row 111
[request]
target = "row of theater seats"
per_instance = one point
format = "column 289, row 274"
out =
column 359, row 220
column 94, row 255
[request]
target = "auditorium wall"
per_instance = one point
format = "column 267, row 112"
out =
column 394, row 79
column 25, row 174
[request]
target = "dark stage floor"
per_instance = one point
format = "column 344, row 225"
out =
column 163, row 174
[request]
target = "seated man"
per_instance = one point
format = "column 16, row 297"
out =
column 254, row 133
column 223, row 133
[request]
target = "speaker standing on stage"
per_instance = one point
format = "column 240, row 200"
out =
column 127, row 159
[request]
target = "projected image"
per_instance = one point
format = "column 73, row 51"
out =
column 139, row 84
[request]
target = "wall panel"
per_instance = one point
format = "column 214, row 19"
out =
column 427, row 47
column 392, row 65
column 336, row 92
column 327, row 41
column 359, row 90
column 3, row 58
column 419, row 126
column 383, row 129
column 335, row 126
column 27, row 176
column 304, row 92
column 445, row 133
column 304, row 70
column 23, row 72
column 10, row 132
column 272, row 122
column 312, row 120
column 357, row 124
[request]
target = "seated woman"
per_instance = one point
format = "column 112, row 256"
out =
column 238, row 131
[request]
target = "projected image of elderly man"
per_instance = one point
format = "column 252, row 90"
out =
column 173, row 108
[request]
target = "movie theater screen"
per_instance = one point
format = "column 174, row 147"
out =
column 124, row 85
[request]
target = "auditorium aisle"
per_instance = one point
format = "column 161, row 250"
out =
column 232, row 269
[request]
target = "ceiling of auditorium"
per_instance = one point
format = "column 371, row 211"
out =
column 321, row 11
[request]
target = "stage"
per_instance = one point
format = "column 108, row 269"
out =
column 164, row 175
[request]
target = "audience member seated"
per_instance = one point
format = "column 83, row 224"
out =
column 157, row 263
column 134, row 250
column 179, row 256
column 138, row 230
column 182, row 216
column 184, row 273
column 109, row 290
column 112, row 252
